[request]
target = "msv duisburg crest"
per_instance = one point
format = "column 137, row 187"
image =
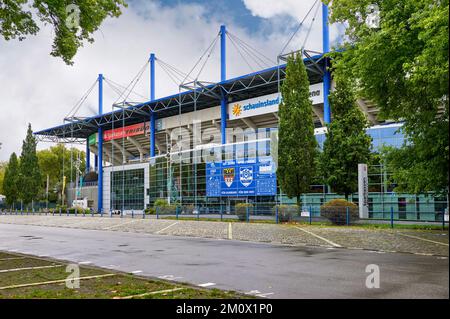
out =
column 246, row 175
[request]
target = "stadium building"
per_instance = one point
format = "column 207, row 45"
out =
column 213, row 145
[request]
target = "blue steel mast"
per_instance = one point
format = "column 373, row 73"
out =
column 327, row 75
column 100, row 146
column 152, row 98
column 223, row 77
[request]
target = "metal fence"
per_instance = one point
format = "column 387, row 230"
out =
column 331, row 215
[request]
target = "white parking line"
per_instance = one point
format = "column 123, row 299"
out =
column 12, row 258
column 29, row 268
column 207, row 284
column 320, row 237
column 424, row 239
column 150, row 293
column 118, row 225
column 165, row 228
column 54, row 281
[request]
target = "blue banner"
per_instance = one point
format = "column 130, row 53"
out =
column 241, row 177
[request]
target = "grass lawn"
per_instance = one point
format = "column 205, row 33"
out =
column 15, row 283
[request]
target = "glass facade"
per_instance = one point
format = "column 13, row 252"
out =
column 127, row 190
column 196, row 179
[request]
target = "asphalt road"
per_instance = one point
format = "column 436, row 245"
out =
column 266, row 270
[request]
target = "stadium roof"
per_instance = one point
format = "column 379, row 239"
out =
column 200, row 95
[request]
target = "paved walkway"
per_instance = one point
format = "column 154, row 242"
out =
column 387, row 240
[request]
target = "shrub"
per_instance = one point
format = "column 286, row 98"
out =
column 241, row 210
column 150, row 211
column 336, row 211
column 160, row 202
column 285, row 212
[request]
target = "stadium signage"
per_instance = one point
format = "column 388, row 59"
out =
column 268, row 103
column 130, row 130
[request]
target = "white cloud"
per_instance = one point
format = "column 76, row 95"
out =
column 38, row 88
column 270, row 8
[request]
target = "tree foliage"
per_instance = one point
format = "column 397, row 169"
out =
column 297, row 147
column 346, row 144
column 73, row 21
column 403, row 67
column 3, row 166
column 30, row 182
column 56, row 160
column 10, row 181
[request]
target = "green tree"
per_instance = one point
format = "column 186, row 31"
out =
column 73, row 21
column 346, row 144
column 2, row 175
column 56, row 159
column 402, row 66
column 297, row 144
column 10, row 182
column 30, row 183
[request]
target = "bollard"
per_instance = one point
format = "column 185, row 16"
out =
column 132, row 213
column 276, row 214
column 157, row 212
column 221, row 213
column 176, row 212
column 92, row 213
column 248, row 215
column 60, row 211
column 198, row 214
column 310, row 215
column 392, row 217
column 143, row 214
column 443, row 220
column 121, row 214
column 346, row 215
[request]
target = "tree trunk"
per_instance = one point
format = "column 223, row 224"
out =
column 299, row 203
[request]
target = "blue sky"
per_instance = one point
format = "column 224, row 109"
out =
column 234, row 9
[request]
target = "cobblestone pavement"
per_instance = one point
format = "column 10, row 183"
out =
column 387, row 240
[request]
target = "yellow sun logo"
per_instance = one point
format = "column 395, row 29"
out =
column 237, row 110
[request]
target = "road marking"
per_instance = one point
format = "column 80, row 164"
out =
column 84, row 262
column 118, row 225
column 29, row 268
column 12, row 258
column 320, row 237
column 264, row 295
column 165, row 228
column 207, row 284
column 136, row 272
column 230, row 231
column 431, row 241
column 150, row 293
column 169, row 277
column 54, row 281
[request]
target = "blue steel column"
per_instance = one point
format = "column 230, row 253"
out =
column 223, row 77
column 100, row 146
column 327, row 75
column 152, row 98
column 88, row 156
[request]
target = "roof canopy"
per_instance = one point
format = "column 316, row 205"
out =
column 199, row 94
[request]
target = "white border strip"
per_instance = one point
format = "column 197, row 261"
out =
column 165, row 228
column 320, row 237
column 29, row 268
